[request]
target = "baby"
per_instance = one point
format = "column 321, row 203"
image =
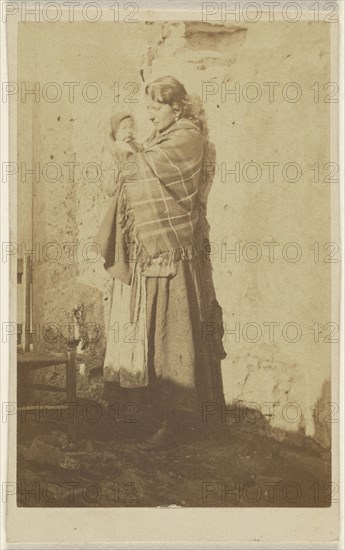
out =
column 122, row 130
column 121, row 140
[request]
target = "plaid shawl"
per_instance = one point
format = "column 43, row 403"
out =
column 158, row 205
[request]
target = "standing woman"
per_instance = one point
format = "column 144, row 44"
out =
column 160, row 212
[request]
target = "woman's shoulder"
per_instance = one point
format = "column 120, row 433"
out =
column 187, row 124
column 186, row 132
column 190, row 137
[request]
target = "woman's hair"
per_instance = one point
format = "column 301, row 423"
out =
column 167, row 89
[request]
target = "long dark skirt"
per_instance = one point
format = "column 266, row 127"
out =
column 183, row 343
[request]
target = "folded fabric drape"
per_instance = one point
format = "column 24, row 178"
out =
column 109, row 239
column 154, row 212
column 158, row 204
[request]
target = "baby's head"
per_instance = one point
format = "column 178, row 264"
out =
column 122, row 126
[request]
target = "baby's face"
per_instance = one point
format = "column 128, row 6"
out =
column 125, row 130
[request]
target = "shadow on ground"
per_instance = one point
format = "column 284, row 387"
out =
column 102, row 465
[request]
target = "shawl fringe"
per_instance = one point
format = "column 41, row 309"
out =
column 134, row 248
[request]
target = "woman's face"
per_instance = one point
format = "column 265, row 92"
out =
column 161, row 114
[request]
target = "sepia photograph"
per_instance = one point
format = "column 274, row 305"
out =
column 174, row 256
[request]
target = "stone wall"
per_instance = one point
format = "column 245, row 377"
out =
column 256, row 296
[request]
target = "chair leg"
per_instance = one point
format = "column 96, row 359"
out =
column 71, row 391
column 71, row 377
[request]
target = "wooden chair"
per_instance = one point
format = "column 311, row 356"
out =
column 28, row 360
column 31, row 361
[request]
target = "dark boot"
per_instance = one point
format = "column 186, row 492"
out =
column 162, row 438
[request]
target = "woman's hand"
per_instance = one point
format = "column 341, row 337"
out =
column 123, row 146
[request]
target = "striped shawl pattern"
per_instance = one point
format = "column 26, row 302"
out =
column 159, row 203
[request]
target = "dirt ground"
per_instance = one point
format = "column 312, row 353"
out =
column 222, row 465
